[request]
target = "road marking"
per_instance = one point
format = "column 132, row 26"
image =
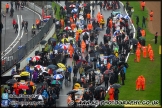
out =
column 10, row 46
column 134, row 34
column 34, row 12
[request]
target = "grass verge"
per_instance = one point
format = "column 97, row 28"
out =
column 150, row 70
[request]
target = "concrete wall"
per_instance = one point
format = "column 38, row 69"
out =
column 24, row 62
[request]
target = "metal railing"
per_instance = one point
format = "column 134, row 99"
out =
column 19, row 54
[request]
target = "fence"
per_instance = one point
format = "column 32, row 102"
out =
column 25, row 49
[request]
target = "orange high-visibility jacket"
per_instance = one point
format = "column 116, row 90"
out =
column 108, row 65
column 88, row 16
column 151, row 14
column 143, row 3
column 89, row 27
column 7, row 6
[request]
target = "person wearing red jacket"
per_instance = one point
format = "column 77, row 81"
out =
column 13, row 23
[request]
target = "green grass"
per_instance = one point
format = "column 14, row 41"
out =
column 150, row 70
column 57, row 16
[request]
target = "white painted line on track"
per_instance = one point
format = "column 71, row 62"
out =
column 14, row 40
column 134, row 34
column 34, row 12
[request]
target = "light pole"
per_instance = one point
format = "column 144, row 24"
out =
column 34, row 13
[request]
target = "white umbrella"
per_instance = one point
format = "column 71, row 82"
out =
column 43, row 72
column 67, row 28
column 75, row 10
column 73, row 6
column 119, row 15
column 84, row 33
column 15, row 76
column 40, row 97
column 60, row 70
column 126, row 17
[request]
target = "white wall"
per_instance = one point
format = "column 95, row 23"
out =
column 23, row 62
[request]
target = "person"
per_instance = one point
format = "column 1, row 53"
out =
column 137, row 20
column 22, row 24
column 81, row 70
column 16, row 27
column 151, row 15
column 13, row 23
column 138, row 52
column 1, row 27
column 69, row 69
column 144, row 49
column 69, row 100
column 37, row 23
column 26, row 26
column 116, row 92
column 33, row 29
column 156, row 35
column 142, row 83
column 143, row 22
column 106, row 78
column 75, row 70
column 151, row 55
column 7, row 7
column 71, row 50
column 11, row 12
column 143, row 5
column 83, row 46
column 138, row 83
column 111, row 94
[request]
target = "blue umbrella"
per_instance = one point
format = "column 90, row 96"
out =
column 126, row 17
column 57, row 47
column 75, row 10
column 117, row 31
column 19, row 47
column 28, row 59
column 57, row 76
column 98, row 28
column 52, row 66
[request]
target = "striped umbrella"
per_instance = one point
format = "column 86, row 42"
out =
column 57, row 76
column 36, row 58
column 38, row 67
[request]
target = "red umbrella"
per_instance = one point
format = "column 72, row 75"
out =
column 38, row 67
column 84, row 4
column 36, row 58
column 23, row 87
column 72, row 6
column 67, row 28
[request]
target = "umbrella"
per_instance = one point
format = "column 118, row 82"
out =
column 39, row 97
column 126, row 17
column 117, row 31
column 23, row 87
column 134, row 41
column 79, row 64
column 115, row 86
column 76, row 85
column 38, row 67
column 43, row 42
column 24, row 73
column 28, row 59
column 72, row 6
column 107, row 71
column 60, row 65
column 98, row 88
column 48, row 77
column 60, row 70
column 64, row 39
column 30, row 83
column 89, row 70
column 98, row 29
column 36, row 58
column 71, row 92
column 57, row 76
column 121, row 63
column 51, row 40
column 84, row 33
column 52, row 66
column 55, row 82
column 75, row 10
column 67, row 28
column 15, row 76
column 43, row 72
column 11, row 81
column 119, row 15
column 64, row 46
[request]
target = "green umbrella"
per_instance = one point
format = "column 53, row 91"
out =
column 116, row 49
column 55, row 82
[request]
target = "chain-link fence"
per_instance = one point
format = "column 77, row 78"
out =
column 19, row 54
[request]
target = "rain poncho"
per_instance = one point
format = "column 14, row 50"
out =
column 83, row 46
column 71, row 50
column 45, row 94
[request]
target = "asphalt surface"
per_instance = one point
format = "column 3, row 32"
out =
column 61, row 102
column 9, row 37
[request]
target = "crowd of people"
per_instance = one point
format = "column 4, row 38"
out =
column 77, row 38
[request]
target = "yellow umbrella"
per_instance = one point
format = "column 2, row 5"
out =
column 80, row 31
column 60, row 65
column 62, row 40
column 77, row 86
column 25, row 73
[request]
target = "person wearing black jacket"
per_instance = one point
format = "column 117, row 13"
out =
column 143, row 22
column 106, row 79
column 137, row 20
column 16, row 27
column 1, row 28
column 122, row 76
column 116, row 92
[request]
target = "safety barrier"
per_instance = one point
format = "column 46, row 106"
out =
column 19, row 55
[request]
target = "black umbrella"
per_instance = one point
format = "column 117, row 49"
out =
column 121, row 63
column 134, row 41
column 11, row 81
column 48, row 77
column 52, row 66
column 51, row 40
column 89, row 70
column 116, row 86
column 98, row 88
column 71, row 92
column 39, row 97
column 43, row 42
